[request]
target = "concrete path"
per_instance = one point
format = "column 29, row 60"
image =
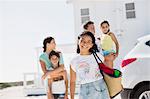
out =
column 17, row 93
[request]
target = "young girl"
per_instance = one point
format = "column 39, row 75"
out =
column 109, row 44
column 48, row 46
column 84, row 68
column 54, row 58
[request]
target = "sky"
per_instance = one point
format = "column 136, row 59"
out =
column 23, row 26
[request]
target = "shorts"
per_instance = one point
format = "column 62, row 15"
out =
column 94, row 90
column 105, row 53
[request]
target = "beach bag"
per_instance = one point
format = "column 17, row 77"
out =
column 58, row 87
column 112, row 78
column 113, row 84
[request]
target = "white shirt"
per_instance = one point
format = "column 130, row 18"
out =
column 86, row 68
column 98, row 43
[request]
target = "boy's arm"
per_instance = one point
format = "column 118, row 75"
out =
column 116, row 42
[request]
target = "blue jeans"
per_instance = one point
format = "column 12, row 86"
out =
column 94, row 90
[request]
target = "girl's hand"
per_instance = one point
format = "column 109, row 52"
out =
column 66, row 97
column 116, row 55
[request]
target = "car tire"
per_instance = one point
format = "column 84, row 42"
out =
column 140, row 91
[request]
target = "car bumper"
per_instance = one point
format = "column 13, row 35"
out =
column 125, row 94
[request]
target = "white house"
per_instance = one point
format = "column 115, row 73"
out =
column 129, row 19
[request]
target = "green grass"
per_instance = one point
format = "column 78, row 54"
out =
column 4, row 85
column 10, row 84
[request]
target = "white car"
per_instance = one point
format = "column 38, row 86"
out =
column 136, row 71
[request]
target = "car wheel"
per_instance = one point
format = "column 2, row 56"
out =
column 145, row 95
column 142, row 92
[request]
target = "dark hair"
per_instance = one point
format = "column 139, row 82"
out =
column 47, row 40
column 104, row 22
column 54, row 53
column 85, row 26
column 94, row 47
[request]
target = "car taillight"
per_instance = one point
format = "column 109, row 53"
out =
column 127, row 61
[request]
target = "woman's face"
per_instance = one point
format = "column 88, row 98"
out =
column 54, row 60
column 85, row 43
column 51, row 45
column 105, row 27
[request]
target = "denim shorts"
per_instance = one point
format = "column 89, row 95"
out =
column 105, row 53
column 94, row 90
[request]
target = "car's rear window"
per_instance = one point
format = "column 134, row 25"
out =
column 148, row 43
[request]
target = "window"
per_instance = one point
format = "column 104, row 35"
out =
column 148, row 43
column 84, row 15
column 130, row 10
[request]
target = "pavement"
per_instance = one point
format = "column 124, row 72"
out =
column 18, row 93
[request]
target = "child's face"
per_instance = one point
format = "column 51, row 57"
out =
column 54, row 60
column 105, row 27
column 85, row 43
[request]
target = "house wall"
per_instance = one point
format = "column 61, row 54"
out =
column 148, row 10
column 95, row 15
column 126, row 30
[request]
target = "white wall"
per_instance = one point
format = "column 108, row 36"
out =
column 97, row 13
column 126, row 30
column 148, row 16
column 77, row 18
column 0, row 40
column 24, row 25
column 105, row 10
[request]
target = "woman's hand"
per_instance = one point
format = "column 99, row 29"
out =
column 46, row 75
